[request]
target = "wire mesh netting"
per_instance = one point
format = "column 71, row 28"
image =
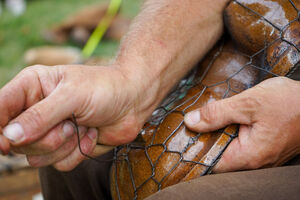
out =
column 262, row 41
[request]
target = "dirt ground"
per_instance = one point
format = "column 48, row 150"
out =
column 21, row 184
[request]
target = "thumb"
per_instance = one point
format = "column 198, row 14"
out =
column 37, row 120
column 218, row 114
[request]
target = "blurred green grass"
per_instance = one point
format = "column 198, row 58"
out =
column 18, row 34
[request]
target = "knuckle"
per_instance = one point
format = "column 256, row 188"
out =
column 52, row 145
column 68, row 164
column 33, row 161
column 62, row 167
column 34, row 117
column 121, row 137
column 133, row 132
column 209, row 112
column 27, row 74
column 232, row 105
column 127, row 133
column 251, row 102
column 27, row 70
column 31, row 71
column 37, row 66
column 249, row 106
column 52, row 141
column 85, row 147
column 129, row 138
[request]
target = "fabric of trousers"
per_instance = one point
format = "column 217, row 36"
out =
column 90, row 180
column 275, row 183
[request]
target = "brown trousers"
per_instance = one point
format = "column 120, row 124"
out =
column 90, row 180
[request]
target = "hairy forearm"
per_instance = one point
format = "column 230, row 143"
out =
column 165, row 41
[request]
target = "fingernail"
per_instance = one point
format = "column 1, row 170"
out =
column 14, row 132
column 68, row 129
column 92, row 133
column 192, row 118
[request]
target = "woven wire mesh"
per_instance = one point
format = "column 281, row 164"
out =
column 170, row 105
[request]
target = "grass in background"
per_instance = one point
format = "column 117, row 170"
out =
column 18, row 34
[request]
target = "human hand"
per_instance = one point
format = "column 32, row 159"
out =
column 117, row 104
column 36, row 105
column 269, row 134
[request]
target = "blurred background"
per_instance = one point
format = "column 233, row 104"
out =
column 50, row 32
column 19, row 33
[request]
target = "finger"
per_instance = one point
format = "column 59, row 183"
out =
column 238, row 109
column 238, row 154
column 115, row 136
column 121, row 133
column 101, row 149
column 4, row 145
column 24, row 90
column 63, row 152
column 87, row 144
column 53, row 140
column 37, row 120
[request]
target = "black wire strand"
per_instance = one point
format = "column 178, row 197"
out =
column 79, row 144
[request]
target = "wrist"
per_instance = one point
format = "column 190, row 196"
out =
column 143, row 87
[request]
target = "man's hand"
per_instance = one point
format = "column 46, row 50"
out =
column 165, row 41
column 36, row 105
column 269, row 134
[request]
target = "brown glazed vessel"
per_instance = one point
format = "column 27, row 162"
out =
column 169, row 153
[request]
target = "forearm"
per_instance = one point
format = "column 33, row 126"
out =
column 165, row 41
